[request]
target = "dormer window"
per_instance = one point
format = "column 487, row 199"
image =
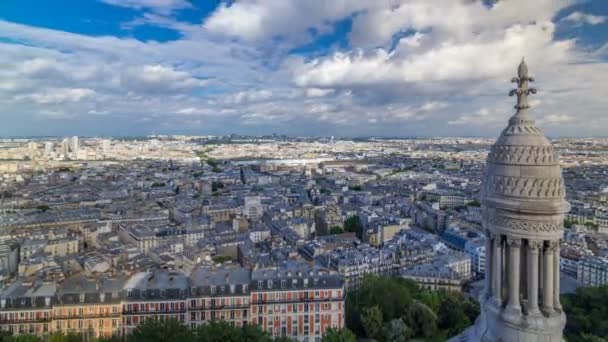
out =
column 82, row 297
column 232, row 288
column 102, row 297
column 212, row 290
column 269, row 284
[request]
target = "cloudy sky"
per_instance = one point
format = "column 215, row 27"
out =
column 299, row 67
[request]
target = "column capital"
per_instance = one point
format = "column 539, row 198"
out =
column 551, row 246
column 513, row 242
column 534, row 245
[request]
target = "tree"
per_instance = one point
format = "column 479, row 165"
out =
column 336, row 230
column 339, row 335
column 452, row 316
column 422, row 319
column 353, row 225
column 166, row 330
column 253, row 332
column 587, row 311
column 372, row 321
column 61, row 337
column 43, row 207
column 24, row 338
column 397, row 331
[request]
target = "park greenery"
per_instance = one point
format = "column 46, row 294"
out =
column 587, row 312
column 171, row 330
column 336, row 230
column 353, row 225
column 408, row 312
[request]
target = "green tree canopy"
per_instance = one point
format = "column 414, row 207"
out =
column 587, row 311
column 422, row 319
column 167, row 330
column 397, row 331
column 353, row 224
column 372, row 321
column 339, row 335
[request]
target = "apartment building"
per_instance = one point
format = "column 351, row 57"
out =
column 91, row 307
column 161, row 294
column 293, row 300
column 300, row 303
column 25, row 308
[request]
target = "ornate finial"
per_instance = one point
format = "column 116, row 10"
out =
column 522, row 90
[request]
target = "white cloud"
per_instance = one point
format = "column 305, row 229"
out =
column 159, row 78
column 478, row 58
column 261, row 20
column 406, row 70
column 553, row 119
column 317, row 92
column 58, row 95
column 482, row 117
column 160, row 6
column 579, row 18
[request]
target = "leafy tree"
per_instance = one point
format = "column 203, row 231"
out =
column 336, row 230
column 43, row 207
column 353, row 225
column 372, row 321
column 5, row 336
column 397, row 331
column 279, row 339
column 339, row 335
column 587, row 310
column 422, row 319
column 253, row 332
column 166, row 330
column 24, row 338
column 61, row 337
column 452, row 316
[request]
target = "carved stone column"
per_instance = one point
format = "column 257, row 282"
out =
column 513, row 305
column 497, row 269
column 533, row 274
column 548, row 277
column 556, row 277
column 488, row 266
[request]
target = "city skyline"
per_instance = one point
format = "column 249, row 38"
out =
column 345, row 68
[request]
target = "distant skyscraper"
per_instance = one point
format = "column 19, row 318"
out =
column 65, row 146
column 75, row 144
column 523, row 206
column 48, row 148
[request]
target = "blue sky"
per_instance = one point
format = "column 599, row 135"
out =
column 314, row 67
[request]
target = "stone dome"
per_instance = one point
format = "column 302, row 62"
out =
column 523, row 178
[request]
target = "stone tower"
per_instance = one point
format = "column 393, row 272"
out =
column 523, row 206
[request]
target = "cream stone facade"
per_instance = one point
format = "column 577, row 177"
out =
column 523, row 206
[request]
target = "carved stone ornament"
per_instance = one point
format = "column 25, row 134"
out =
column 525, row 225
column 538, row 188
column 522, row 155
column 513, row 242
column 534, row 245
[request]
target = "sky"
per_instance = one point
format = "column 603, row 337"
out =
column 299, row 67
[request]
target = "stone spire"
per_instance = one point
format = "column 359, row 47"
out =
column 523, row 206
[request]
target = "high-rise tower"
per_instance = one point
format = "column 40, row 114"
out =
column 523, row 206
